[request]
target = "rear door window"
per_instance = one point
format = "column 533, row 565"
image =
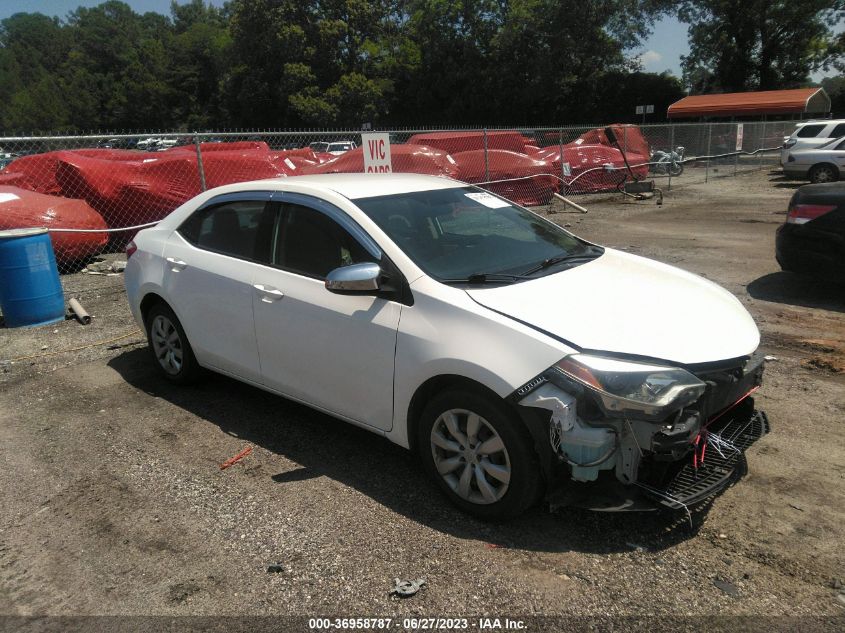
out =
column 242, row 229
column 809, row 131
column 838, row 131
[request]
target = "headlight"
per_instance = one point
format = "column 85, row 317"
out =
column 624, row 387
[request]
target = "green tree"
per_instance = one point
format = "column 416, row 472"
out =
column 115, row 70
column 198, row 54
column 272, row 51
column 835, row 88
column 32, row 49
column 738, row 45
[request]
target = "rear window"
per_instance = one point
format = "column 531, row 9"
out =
column 809, row 131
column 838, row 131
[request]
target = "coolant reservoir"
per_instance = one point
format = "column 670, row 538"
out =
column 585, row 448
column 588, row 450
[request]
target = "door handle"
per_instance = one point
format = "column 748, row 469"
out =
column 269, row 294
column 176, row 264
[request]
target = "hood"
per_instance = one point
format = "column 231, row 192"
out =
column 631, row 305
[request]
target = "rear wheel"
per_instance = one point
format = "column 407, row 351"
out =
column 169, row 346
column 479, row 454
column 823, row 173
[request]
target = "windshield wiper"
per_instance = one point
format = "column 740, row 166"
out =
column 592, row 253
column 486, row 278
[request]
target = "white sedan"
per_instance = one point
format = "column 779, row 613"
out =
column 508, row 353
column 821, row 164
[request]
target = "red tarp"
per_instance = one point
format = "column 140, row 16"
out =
column 629, row 137
column 410, row 159
column 454, row 142
column 583, row 157
column 26, row 209
column 130, row 187
column 128, row 193
column 291, row 162
column 536, row 184
column 225, row 163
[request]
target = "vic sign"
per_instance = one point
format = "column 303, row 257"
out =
column 376, row 153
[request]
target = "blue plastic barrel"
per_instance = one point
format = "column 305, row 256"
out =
column 30, row 290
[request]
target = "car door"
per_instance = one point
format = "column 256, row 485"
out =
column 211, row 261
column 332, row 351
column 838, row 155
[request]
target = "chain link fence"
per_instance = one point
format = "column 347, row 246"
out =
column 94, row 191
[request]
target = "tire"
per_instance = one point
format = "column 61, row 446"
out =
column 169, row 347
column 823, row 173
column 676, row 169
column 497, row 475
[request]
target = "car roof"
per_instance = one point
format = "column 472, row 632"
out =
column 352, row 186
column 818, row 122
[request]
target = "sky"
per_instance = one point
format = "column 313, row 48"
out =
column 662, row 51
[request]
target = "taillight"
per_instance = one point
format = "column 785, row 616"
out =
column 130, row 249
column 803, row 213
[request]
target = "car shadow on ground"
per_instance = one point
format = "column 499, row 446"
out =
column 781, row 182
column 392, row 476
column 798, row 290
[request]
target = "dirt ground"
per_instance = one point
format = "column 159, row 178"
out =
column 114, row 501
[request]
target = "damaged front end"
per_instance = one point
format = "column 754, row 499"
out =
column 673, row 435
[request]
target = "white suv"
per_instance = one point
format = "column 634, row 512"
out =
column 505, row 351
column 811, row 134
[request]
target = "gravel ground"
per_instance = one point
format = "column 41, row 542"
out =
column 114, row 501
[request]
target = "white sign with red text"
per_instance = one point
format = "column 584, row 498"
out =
column 376, row 153
column 739, row 131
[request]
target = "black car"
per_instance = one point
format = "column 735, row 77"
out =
column 812, row 241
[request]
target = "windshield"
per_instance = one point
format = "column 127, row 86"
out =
column 454, row 234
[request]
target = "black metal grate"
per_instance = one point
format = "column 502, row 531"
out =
column 722, row 465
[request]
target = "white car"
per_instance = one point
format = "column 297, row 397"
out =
column 822, row 164
column 811, row 134
column 340, row 147
column 508, row 353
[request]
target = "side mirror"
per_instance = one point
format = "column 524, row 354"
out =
column 357, row 279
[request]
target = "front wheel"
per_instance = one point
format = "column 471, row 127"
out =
column 823, row 173
column 480, row 454
column 676, row 169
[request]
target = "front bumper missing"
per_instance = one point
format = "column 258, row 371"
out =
column 677, row 485
column 723, row 463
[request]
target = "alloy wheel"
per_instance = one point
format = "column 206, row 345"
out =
column 824, row 174
column 470, row 456
column 167, row 345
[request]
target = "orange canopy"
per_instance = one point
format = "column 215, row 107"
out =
column 797, row 101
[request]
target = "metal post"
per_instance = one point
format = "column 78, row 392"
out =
column 762, row 141
column 486, row 159
column 671, row 149
column 709, row 138
column 200, row 167
column 560, row 148
column 736, row 138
